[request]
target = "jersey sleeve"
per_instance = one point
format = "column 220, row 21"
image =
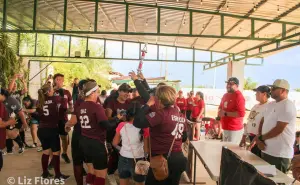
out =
column 100, row 114
column 69, row 96
column 155, row 118
column 16, row 105
column 146, row 132
column 120, row 126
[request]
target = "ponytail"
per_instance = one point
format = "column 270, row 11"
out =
column 42, row 92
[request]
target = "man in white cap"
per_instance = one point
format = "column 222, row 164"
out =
column 278, row 127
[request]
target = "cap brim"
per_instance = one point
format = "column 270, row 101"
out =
column 254, row 90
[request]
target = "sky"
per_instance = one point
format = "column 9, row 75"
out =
column 285, row 65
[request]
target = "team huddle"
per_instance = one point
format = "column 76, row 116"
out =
column 121, row 134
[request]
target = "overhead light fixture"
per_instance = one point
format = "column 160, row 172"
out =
column 102, row 24
column 90, row 26
column 146, row 22
column 203, row 27
column 201, row 2
column 277, row 8
column 254, row 6
column 115, row 20
column 227, row 7
column 165, row 23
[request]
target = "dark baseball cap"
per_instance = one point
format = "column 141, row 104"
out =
column 234, row 80
column 125, row 88
column 4, row 92
column 263, row 89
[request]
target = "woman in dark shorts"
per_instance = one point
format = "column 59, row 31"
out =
column 94, row 123
column 48, row 111
column 30, row 109
column 166, row 124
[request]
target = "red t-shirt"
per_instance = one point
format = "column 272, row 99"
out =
column 233, row 102
column 67, row 98
column 4, row 117
column 189, row 102
column 181, row 103
column 49, row 113
column 89, row 115
column 197, row 108
column 164, row 124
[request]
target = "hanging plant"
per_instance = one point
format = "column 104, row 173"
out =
column 9, row 63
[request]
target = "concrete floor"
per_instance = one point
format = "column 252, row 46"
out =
column 19, row 167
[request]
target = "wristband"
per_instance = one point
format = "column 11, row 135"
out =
column 225, row 114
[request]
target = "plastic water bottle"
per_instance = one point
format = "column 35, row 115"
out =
column 202, row 133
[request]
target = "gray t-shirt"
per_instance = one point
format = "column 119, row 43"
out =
column 12, row 105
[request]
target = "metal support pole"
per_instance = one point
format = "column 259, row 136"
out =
column 222, row 25
column 252, row 28
column 70, row 42
column 123, row 50
column 175, row 53
column 87, row 53
column 96, row 16
column 35, row 43
column 283, row 30
column 34, row 15
column 140, row 51
column 65, row 15
column 104, row 53
column 4, row 15
column 52, row 46
column 126, row 18
column 157, row 52
column 193, row 73
column 211, row 56
column 191, row 23
column 18, row 48
column 158, row 20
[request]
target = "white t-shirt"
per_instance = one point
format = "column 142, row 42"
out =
column 281, row 145
column 134, row 139
column 254, row 118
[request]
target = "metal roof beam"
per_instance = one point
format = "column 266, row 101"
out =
column 182, row 21
column 239, row 22
column 244, row 53
column 195, row 10
column 268, row 24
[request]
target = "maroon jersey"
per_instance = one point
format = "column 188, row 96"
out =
column 117, row 107
column 166, row 124
column 89, row 114
column 66, row 98
column 139, row 100
column 49, row 113
column 77, row 127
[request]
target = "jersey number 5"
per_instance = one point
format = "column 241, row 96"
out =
column 46, row 110
column 178, row 130
column 84, row 121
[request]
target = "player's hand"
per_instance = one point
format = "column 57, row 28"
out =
column 133, row 76
column 221, row 113
column 11, row 122
column 151, row 101
column 141, row 76
column 243, row 141
column 25, row 126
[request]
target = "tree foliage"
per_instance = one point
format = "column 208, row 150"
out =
column 9, row 63
column 249, row 84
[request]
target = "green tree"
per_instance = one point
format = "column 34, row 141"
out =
column 249, row 84
column 9, row 63
column 297, row 89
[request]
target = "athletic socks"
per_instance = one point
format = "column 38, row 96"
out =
column 56, row 164
column 78, row 173
column 22, row 135
column 99, row 181
column 89, row 178
column 45, row 160
column 9, row 145
column 19, row 141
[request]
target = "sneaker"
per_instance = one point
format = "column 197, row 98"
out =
column 33, row 146
column 47, row 175
column 21, row 150
column 4, row 153
column 10, row 152
column 40, row 149
column 66, row 158
column 26, row 145
column 50, row 166
column 63, row 177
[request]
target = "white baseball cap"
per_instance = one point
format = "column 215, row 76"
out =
column 281, row 83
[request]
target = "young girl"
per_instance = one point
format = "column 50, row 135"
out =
column 30, row 109
column 197, row 114
column 48, row 111
column 134, row 143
